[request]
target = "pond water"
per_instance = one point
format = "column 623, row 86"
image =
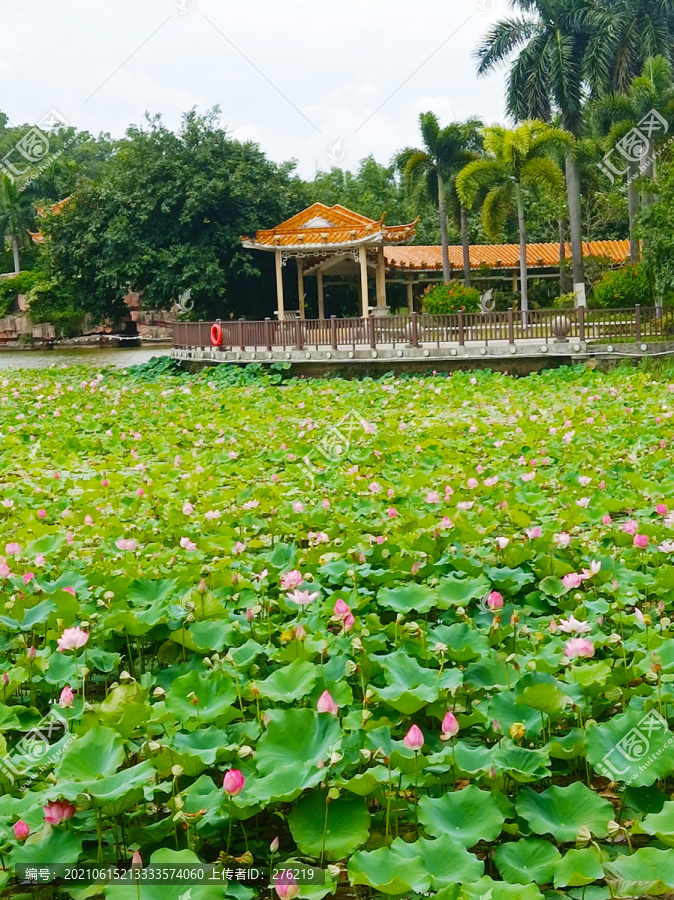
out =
column 93, row 356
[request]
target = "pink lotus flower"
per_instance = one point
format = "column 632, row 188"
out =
column 341, row 609
column 5, row 571
column 572, row 580
column 432, row 497
column 472, row 483
column 21, row 830
column 233, row 782
column 392, row 512
column 41, row 513
column 12, row 549
column 573, row 626
column 188, row 544
column 300, row 633
column 72, row 639
column 495, row 600
column 326, row 704
column 348, row 622
column 136, row 861
column 302, row 598
column 188, row 509
column 39, row 560
column 502, row 542
column 606, row 520
column 578, row 647
column 666, row 547
column 450, row 727
column 562, row 540
column 630, row 527
column 291, row 580
column 59, row 811
column 88, row 520
column 27, row 578
column 661, row 509
column 239, row 547
column 126, row 544
column 285, row 886
column 414, row 739
column 375, row 487
column 67, row 698
column 298, row 507
column 641, row 541
column 533, row 533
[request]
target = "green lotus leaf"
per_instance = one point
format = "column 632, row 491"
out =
column 289, row 683
column 98, row 753
column 578, row 867
column 521, row 763
column 563, row 811
column 457, row 590
column 486, row 889
column 527, row 861
column 416, row 598
column 388, row 871
column 446, row 861
column 646, row 871
column 201, row 697
column 114, row 793
column 661, row 824
column 636, row 747
column 467, row 816
column 50, row 845
column 300, row 737
column 346, row 823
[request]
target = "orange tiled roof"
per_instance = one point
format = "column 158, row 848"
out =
column 498, row 256
column 321, row 225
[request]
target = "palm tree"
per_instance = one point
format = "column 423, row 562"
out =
column 615, row 115
column 514, row 159
column 16, row 216
column 446, row 151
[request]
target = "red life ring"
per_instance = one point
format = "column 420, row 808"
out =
column 216, row 335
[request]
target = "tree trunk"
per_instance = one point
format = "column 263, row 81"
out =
column 633, row 211
column 524, row 294
column 562, row 256
column 465, row 245
column 573, row 197
column 15, row 251
column 442, row 209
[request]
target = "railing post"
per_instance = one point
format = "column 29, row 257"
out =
column 414, row 331
column 581, row 324
column 299, row 342
column 637, row 322
column 239, row 331
column 201, row 337
column 219, row 322
column 462, row 337
column 267, row 332
column 333, row 332
column 511, row 327
column 370, row 331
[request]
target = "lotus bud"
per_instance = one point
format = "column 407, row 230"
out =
column 613, row 829
column 233, row 782
column 300, row 633
column 5, row 678
column 67, row 698
column 177, row 771
column 334, row 871
column 584, row 837
column 250, row 615
column 202, row 587
column 21, row 830
column 414, row 739
column 125, row 677
column 492, row 772
column 159, row 692
column 335, row 758
column 357, row 645
column 31, row 653
column 440, row 648
column 136, row 861
column 614, row 638
column 365, row 754
column 245, row 751
column 460, row 611
column 206, row 661
column 274, row 845
column 153, row 746
column 84, row 671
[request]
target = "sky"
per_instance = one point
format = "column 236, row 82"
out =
column 324, row 83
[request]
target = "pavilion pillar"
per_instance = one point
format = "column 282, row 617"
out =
column 515, row 285
column 279, row 287
column 410, row 294
column 381, row 278
column 321, row 295
column 365, row 303
column 300, row 285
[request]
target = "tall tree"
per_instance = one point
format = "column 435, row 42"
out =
column 616, row 115
column 446, row 151
column 17, row 215
column 548, row 73
column 514, row 159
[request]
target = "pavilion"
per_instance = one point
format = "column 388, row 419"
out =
column 335, row 241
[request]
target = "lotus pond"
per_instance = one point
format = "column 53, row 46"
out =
column 413, row 632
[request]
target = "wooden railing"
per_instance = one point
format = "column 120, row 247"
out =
column 596, row 325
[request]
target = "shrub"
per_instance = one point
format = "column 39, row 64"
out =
column 443, row 299
column 624, row 287
column 10, row 288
